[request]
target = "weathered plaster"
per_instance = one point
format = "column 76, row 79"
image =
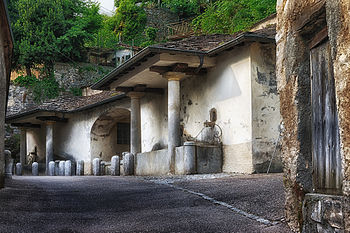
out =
column 228, row 89
column 265, row 108
column 154, row 122
column 36, row 138
column 72, row 140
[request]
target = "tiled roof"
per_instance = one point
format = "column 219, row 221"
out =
column 206, row 43
column 67, row 104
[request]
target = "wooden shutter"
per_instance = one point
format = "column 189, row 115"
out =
column 325, row 130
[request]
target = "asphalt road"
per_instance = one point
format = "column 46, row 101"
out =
column 211, row 203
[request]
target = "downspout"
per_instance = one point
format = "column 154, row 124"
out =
column 201, row 62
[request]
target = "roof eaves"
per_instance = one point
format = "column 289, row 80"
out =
column 84, row 108
column 139, row 56
column 244, row 37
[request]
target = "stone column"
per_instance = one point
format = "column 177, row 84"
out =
column 23, row 146
column 174, row 139
column 135, row 122
column 49, row 144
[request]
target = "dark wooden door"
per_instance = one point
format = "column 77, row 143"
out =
column 325, row 130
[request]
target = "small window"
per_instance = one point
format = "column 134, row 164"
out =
column 123, row 133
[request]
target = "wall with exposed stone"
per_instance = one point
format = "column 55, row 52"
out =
column 159, row 18
column 296, row 24
column 67, row 75
column 265, row 108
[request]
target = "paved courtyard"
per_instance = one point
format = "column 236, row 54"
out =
column 201, row 203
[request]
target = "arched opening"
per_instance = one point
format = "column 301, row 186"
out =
column 110, row 134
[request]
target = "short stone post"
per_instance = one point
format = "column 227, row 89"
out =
column 128, row 164
column 68, row 168
column 57, row 167
column 80, row 168
column 102, row 168
column 190, row 158
column 115, row 166
column 18, row 169
column 61, row 167
column 8, row 164
column 96, row 166
column 51, row 168
column 35, row 169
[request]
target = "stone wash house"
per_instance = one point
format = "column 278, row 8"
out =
column 205, row 104
column 73, row 128
column 6, row 45
column 210, row 100
column 313, row 73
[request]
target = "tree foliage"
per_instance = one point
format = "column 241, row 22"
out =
column 46, row 31
column 229, row 16
column 184, row 8
column 130, row 21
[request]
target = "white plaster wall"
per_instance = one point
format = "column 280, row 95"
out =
column 154, row 122
column 36, row 138
column 72, row 139
column 106, row 147
column 266, row 107
column 227, row 88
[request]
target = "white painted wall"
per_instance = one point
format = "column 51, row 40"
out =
column 266, row 107
column 72, row 139
column 154, row 121
column 227, row 88
column 36, row 138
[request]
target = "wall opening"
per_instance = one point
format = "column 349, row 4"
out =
column 110, row 134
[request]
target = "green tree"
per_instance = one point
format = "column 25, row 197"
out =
column 229, row 16
column 184, row 8
column 130, row 21
column 46, row 31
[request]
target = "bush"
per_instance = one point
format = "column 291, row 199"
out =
column 42, row 88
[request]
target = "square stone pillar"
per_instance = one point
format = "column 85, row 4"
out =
column 23, row 146
column 49, row 144
column 174, row 137
column 135, row 122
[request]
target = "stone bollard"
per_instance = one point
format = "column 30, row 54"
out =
column 35, row 169
column 8, row 164
column 68, row 168
column 51, row 168
column 80, row 168
column 128, row 164
column 190, row 158
column 57, row 167
column 61, row 167
column 96, row 166
column 18, row 169
column 102, row 168
column 115, row 166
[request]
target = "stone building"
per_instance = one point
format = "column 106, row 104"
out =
column 216, row 93
column 313, row 55
column 74, row 128
column 6, row 45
